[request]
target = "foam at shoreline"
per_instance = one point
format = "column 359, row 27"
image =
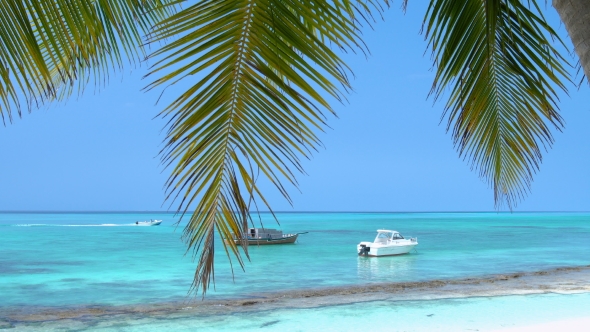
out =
column 567, row 280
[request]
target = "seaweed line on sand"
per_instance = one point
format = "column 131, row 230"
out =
column 558, row 280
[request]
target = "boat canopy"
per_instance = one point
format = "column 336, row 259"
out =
column 266, row 233
column 383, row 235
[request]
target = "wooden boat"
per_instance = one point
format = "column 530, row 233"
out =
column 264, row 236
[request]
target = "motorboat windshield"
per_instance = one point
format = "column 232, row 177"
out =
column 384, row 235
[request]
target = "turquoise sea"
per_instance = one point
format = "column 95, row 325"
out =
column 100, row 272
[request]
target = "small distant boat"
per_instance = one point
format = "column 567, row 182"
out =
column 264, row 236
column 387, row 243
column 148, row 223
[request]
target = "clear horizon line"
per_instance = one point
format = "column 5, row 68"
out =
column 303, row 211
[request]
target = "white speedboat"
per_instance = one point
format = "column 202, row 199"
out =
column 148, row 223
column 387, row 243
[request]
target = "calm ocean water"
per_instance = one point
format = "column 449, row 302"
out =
column 73, row 260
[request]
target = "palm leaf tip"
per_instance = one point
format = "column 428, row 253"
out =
column 501, row 71
column 264, row 69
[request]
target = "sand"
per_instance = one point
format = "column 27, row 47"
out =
column 569, row 325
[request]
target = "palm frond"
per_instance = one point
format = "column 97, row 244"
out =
column 257, row 69
column 49, row 48
column 504, row 76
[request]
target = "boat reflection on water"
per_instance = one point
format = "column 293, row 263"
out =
column 391, row 268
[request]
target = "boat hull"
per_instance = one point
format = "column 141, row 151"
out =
column 261, row 242
column 386, row 250
column 148, row 223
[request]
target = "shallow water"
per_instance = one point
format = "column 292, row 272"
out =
column 459, row 314
column 101, row 259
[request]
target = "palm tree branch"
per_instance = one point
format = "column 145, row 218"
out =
column 51, row 47
column 503, row 73
column 258, row 69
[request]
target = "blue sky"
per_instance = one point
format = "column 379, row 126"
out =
column 386, row 151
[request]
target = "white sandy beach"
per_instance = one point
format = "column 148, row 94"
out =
column 570, row 325
column 555, row 300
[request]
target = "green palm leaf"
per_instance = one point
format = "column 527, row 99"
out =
column 260, row 72
column 503, row 73
column 51, row 47
column 253, row 107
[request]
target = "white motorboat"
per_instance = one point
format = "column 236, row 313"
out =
column 148, row 223
column 387, row 243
